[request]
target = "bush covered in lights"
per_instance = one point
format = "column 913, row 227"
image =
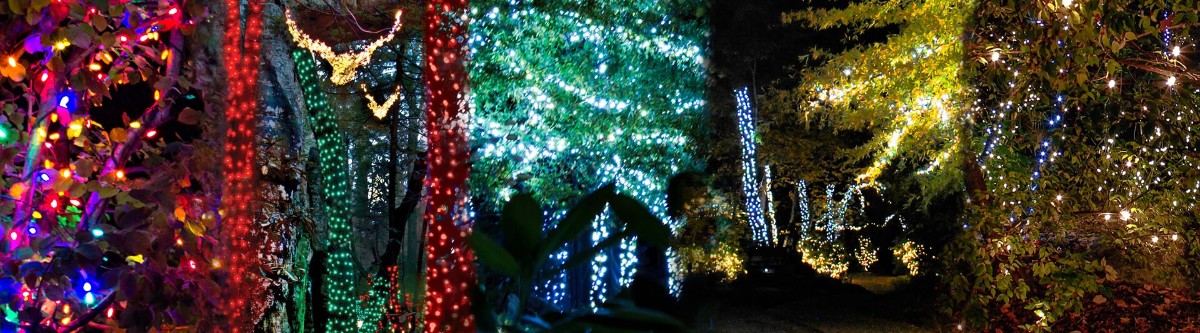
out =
column 107, row 208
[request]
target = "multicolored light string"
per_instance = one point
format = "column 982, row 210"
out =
column 450, row 267
column 242, row 50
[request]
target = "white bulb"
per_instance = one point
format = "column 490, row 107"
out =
column 1175, row 51
column 1112, row 84
column 1125, row 215
column 995, row 56
column 1066, row 3
column 1171, row 81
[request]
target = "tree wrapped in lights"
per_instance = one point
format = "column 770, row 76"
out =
column 751, row 188
column 242, row 50
column 1085, row 170
column 346, row 311
column 450, row 268
column 570, row 96
column 107, row 204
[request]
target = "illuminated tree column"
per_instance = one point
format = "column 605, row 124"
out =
column 450, row 265
column 346, row 312
column 241, row 65
column 750, row 184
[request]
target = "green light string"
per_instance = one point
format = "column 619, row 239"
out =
column 346, row 312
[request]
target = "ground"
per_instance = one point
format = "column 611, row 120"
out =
column 784, row 303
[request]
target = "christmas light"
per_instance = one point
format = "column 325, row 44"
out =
column 345, row 66
column 380, row 110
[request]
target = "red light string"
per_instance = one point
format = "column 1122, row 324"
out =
column 450, row 270
column 241, row 65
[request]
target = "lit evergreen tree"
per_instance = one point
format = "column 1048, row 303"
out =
column 569, row 96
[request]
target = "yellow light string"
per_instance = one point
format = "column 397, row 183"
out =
column 344, row 65
column 380, row 110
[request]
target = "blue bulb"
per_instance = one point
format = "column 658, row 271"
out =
column 87, row 286
column 32, row 230
column 89, row 299
column 45, row 177
column 97, row 232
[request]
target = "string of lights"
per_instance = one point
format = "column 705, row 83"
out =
column 345, row 66
column 380, row 110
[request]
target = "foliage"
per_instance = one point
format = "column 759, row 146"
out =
column 1067, row 122
column 523, row 250
column 108, row 206
column 710, row 240
column 569, row 96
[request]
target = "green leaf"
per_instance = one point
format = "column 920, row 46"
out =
column 492, row 255
column 522, row 223
column 107, row 192
column 577, row 220
column 640, row 220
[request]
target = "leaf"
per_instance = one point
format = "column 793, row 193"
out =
column 190, row 116
column 1099, row 299
column 39, row 4
column 493, row 255
column 640, row 220
column 81, row 35
column 195, row 227
column 118, row 135
column 577, row 220
column 83, row 168
column 521, row 221
column 106, row 192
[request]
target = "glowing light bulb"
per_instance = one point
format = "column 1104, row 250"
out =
column 995, row 56
column 12, row 62
column 1112, row 84
column 1125, row 215
column 1067, row 3
column 97, row 232
column 64, row 102
column 1175, row 51
column 1171, row 81
column 87, row 286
